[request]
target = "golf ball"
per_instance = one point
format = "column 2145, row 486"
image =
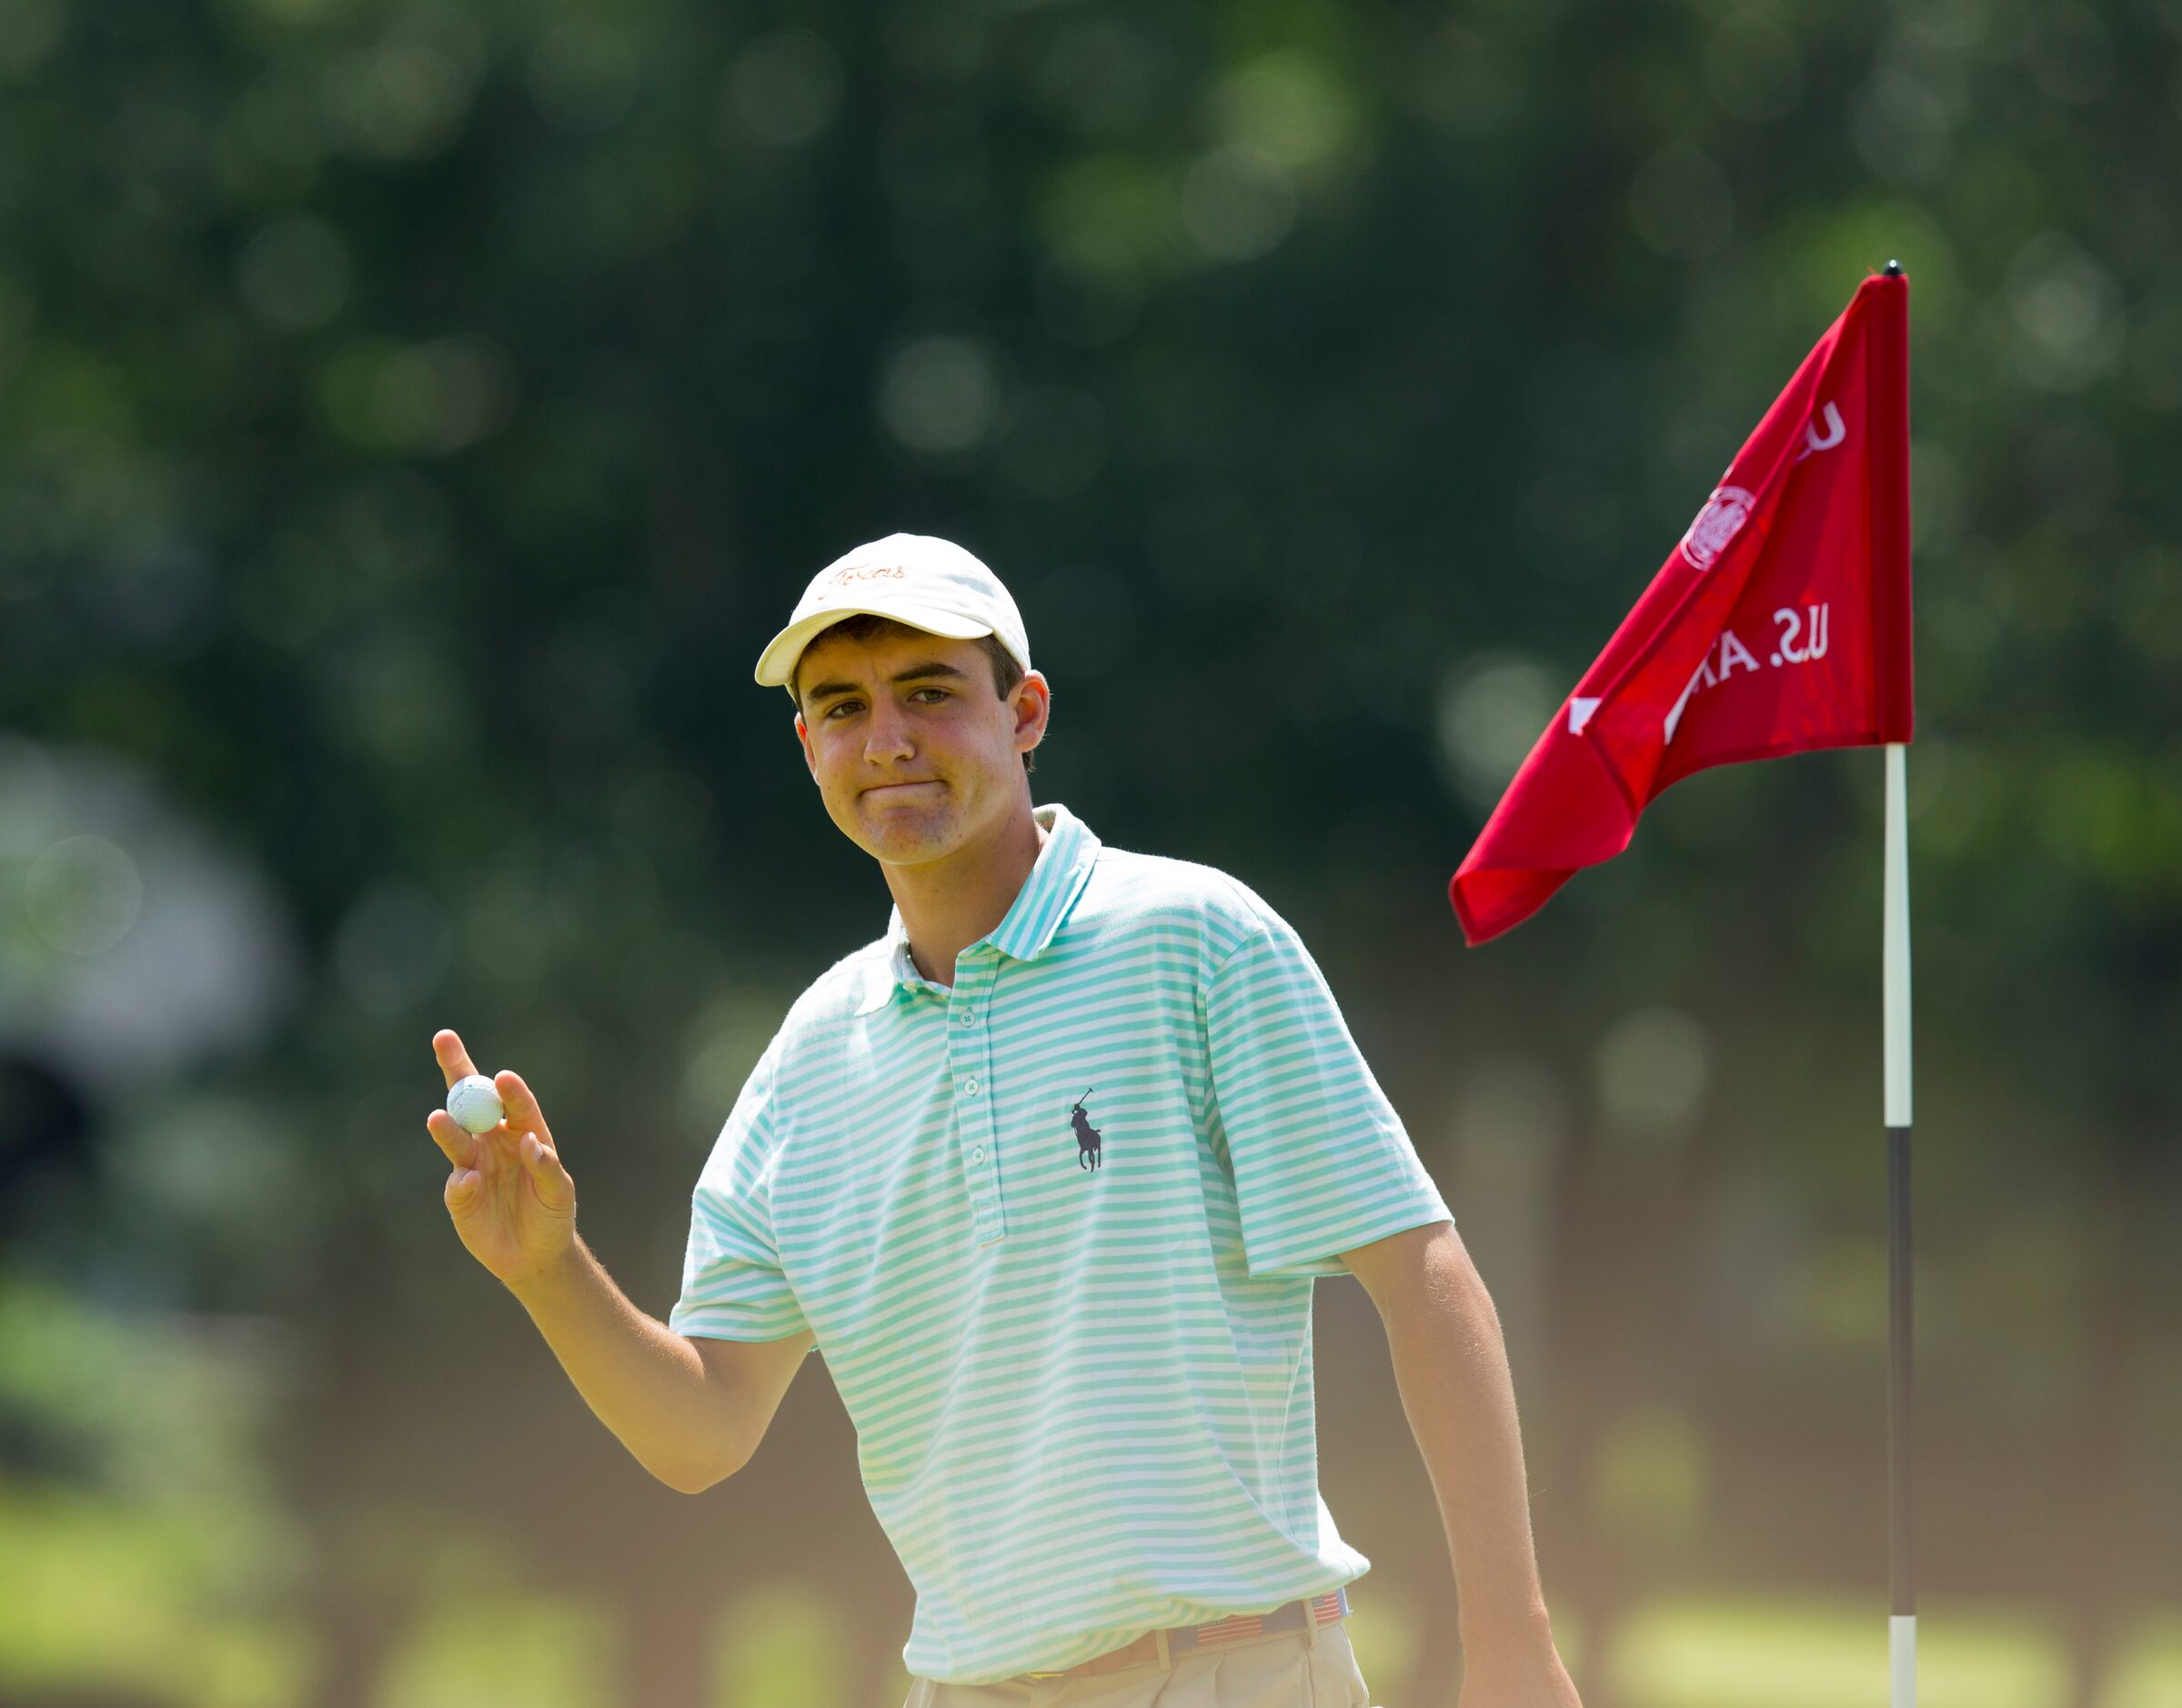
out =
column 476, row 1103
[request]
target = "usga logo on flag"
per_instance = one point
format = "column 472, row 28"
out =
column 1718, row 522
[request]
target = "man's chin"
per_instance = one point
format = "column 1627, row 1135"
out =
column 907, row 835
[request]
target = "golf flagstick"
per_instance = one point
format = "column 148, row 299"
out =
column 1780, row 623
column 1894, row 1002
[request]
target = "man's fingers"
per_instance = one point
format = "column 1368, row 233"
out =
column 523, row 1113
column 457, row 1142
column 454, row 1060
column 460, row 1183
column 555, row 1189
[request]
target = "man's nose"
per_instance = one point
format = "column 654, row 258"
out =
column 887, row 734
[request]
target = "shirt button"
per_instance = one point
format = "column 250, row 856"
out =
column 970, row 1087
column 967, row 1016
column 978, row 1155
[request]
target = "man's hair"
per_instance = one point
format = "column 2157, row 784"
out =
column 865, row 625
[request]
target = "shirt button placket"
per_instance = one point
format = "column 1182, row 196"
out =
column 970, row 1056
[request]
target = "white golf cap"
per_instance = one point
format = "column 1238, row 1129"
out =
column 928, row 583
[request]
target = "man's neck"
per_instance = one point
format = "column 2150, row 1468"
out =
column 947, row 905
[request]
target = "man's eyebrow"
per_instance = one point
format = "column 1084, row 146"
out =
column 918, row 672
column 915, row 673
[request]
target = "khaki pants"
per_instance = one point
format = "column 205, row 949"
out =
column 1283, row 1670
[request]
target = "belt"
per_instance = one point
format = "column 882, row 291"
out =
column 1322, row 1610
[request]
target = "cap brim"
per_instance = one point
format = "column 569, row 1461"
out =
column 777, row 663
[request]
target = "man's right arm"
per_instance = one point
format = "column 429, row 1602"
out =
column 691, row 1411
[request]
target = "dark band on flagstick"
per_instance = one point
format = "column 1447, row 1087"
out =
column 1898, row 1437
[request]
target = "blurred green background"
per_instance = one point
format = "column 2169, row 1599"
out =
column 415, row 417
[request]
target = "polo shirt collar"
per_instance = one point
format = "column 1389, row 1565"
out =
column 1063, row 867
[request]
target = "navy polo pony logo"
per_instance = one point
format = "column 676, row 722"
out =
column 1087, row 1135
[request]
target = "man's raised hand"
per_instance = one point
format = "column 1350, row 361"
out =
column 512, row 1201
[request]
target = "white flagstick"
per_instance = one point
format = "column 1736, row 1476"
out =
column 1902, row 1624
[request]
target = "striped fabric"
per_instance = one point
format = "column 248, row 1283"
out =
column 1055, row 1231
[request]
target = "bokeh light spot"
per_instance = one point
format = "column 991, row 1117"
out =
column 1237, row 204
column 83, row 894
column 785, row 87
column 939, row 394
column 1493, row 710
column 29, row 30
column 2069, row 310
column 393, row 948
column 293, row 273
column 1648, row 1478
column 1286, row 108
column 1653, row 1070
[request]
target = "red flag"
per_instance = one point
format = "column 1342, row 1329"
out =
column 1779, row 623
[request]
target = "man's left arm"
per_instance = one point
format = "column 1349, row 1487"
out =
column 1451, row 1365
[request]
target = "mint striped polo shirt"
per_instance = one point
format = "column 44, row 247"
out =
column 1054, row 1231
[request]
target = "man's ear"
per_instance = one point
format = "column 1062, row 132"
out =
column 1033, row 700
column 803, row 737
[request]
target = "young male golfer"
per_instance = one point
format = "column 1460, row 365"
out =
column 1046, row 1174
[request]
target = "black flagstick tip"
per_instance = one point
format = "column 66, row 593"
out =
column 1893, row 269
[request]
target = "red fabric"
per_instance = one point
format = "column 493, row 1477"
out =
column 1779, row 623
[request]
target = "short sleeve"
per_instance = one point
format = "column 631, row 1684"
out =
column 1321, row 1163
column 733, row 1287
